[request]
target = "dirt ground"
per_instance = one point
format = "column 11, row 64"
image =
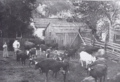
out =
column 11, row 71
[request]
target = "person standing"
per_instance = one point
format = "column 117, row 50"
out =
column 16, row 46
column 5, row 50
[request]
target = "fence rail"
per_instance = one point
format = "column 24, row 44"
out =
column 112, row 48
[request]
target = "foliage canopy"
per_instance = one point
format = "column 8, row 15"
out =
column 15, row 16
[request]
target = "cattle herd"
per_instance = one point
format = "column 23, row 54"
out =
column 58, row 60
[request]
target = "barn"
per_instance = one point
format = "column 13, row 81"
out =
column 64, row 33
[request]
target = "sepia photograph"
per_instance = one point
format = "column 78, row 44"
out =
column 59, row 41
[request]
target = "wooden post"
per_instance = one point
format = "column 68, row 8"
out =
column 82, row 39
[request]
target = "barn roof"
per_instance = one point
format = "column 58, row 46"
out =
column 44, row 22
column 41, row 23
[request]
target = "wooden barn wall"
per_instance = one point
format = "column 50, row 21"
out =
column 69, row 38
column 64, row 35
column 60, row 38
column 66, row 39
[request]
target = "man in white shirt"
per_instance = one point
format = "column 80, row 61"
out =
column 16, row 45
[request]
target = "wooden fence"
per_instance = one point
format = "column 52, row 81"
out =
column 112, row 48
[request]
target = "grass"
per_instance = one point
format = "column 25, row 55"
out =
column 13, row 72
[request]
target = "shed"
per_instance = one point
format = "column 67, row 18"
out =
column 64, row 33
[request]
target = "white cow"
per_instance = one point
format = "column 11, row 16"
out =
column 87, row 58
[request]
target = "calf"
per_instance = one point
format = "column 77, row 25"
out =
column 99, row 61
column 87, row 58
column 98, row 71
column 51, row 64
column 32, row 52
column 21, row 56
column 43, row 47
column 71, row 52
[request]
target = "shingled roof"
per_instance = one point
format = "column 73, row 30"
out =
column 41, row 23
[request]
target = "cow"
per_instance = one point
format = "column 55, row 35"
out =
column 28, row 45
column 87, row 58
column 97, row 51
column 98, row 71
column 43, row 47
column 51, row 64
column 32, row 52
column 71, row 52
column 32, row 61
column 53, row 45
column 21, row 56
column 98, row 61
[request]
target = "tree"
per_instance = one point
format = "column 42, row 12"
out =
column 15, row 16
column 92, row 11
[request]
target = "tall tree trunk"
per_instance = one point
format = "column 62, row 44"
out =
column 111, row 34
